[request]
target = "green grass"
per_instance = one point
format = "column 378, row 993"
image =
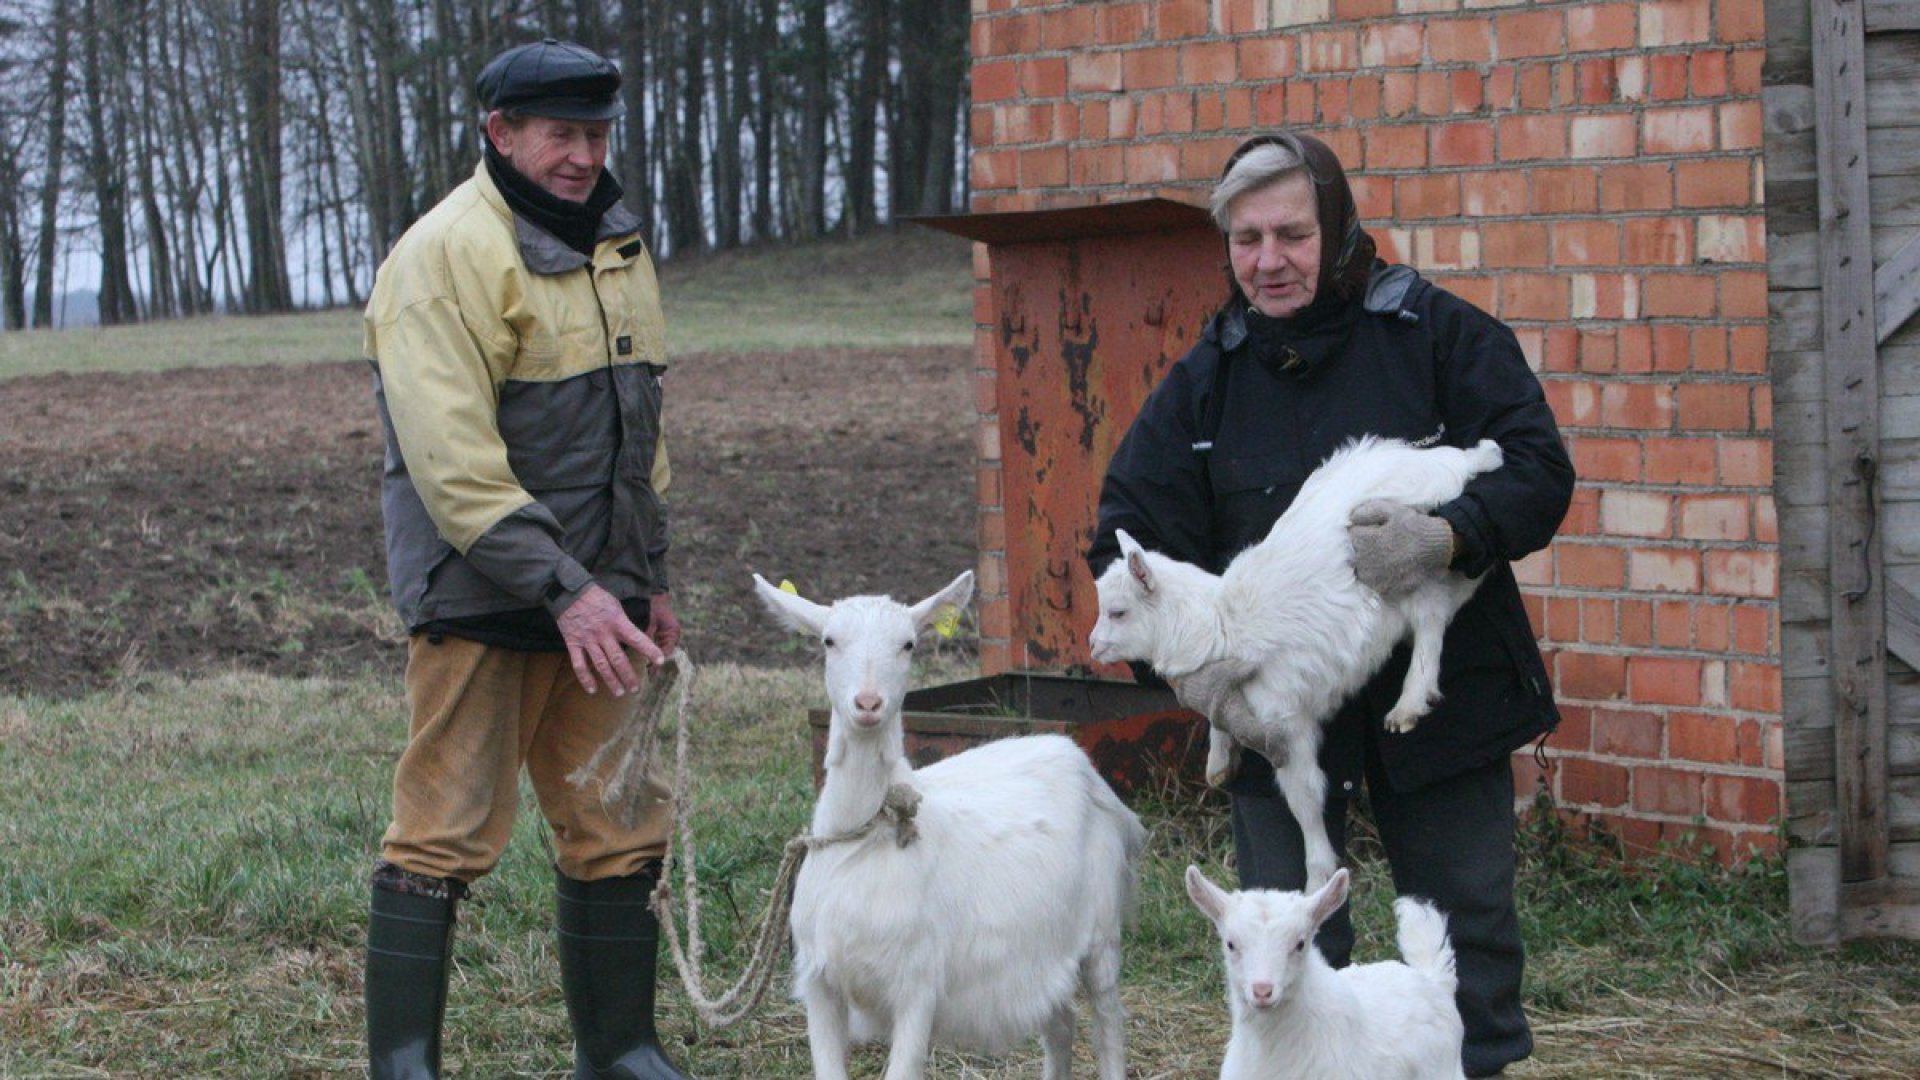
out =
column 182, row 892
column 891, row 289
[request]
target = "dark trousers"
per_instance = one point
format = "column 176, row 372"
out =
column 1451, row 843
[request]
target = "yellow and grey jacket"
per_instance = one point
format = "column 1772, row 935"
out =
column 519, row 387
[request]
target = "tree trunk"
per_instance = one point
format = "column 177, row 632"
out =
column 106, row 153
column 634, row 165
column 56, row 155
column 816, row 57
column 863, row 101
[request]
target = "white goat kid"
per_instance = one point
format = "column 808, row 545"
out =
column 1290, row 614
column 976, row 929
column 1296, row 1018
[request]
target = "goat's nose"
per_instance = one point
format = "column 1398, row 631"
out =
column 868, row 701
column 1262, row 993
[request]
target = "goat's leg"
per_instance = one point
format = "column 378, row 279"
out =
column 1223, row 757
column 827, row 1033
column 1100, row 974
column 911, row 1039
column 1056, row 1043
column 1297, row 774
column 1428, row 613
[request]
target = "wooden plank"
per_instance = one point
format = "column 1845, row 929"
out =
column 1794, row 322
column 1900, row 457
column 1789, row 43
column 1886, row 16
column 1894, row 152
column 1896, row 290
column 1810, row 813
column 1903, row 624
column 1813, row 890
column 1879, row 909
column 1901, row 524
column 1857, row 657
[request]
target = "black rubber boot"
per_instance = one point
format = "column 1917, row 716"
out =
column 409, row 954
column 609, row 947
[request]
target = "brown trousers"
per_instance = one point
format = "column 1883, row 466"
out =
column 479, row 713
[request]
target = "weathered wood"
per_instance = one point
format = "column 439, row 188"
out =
column 1899, row 421
column 1900, row 368
column 1813, row 890
column 1857, row 658
column 1886, row 16
column 1810, row 813
column 1896, row 290
column 1901, row 524
column 1893, row 152
column 1789, row 43
column 1794, row 319
column 1809, row 752
column 1793, row 260
column 1798, row 422
column 1880, row 909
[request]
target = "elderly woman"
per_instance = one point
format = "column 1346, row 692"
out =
column 1318, row 343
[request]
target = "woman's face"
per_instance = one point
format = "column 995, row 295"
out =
column 1273, row 240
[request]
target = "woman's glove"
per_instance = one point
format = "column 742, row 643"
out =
column 1396, row 548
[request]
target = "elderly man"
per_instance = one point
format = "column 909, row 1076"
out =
column 518, row 346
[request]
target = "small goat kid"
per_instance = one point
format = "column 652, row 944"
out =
column 977, row 927
column 1296, row 1018
column 1290, row 614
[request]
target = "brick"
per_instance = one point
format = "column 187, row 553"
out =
column 1589, row 566
column 1396, row 147
column 1446, row 248
column 1597, row 621
column 1013, row 35
column 1687, row 130
column 1730, row 238
column 1533, row 137
column 1745, row 77
column 1754, row 687
column 1462, row 144
column 1667, row 77
column 1750, row 800
column 1604, row 296
column 1644, row 514
column 1241, row 16
column 1206, row 157
column 1675, row 22
column 1460, row 41
column 1680, row 461
column 1636, row 349
column 1329, row 50
column 1601, row 28
column 1595, row 83
column 1586, row 243
column 1266, row 57
column 1715, row 517
column 1703, row 737
column 1044, row 77
column 1611, row 135
column 1122, row 24
column 1766, row 521
column 1466, row 90
column 1349, row 10
column 1636, row 187
column 1714, row 407
column 1301, row 13
column 1717, row 182
column 1658, row 241
column 1092, row 72
column 1599, row 354
column 1150, row 69
column 1743, row 573
column 1636, row 623
column 1630, row 79
column 1535, row 87
column 1745, row 462
column 994, row 169
column 1741, row 126
column 1427, row 196
column 1535, row 296
column 1505, row 245
column 1046, row 167
column 1065, row 27
column 1208, row 63
column 1663, row 570
column 1680, row 296
column 1672, row 348
column 1391, row 44
column 1742, row 21
column 1637, row 406
column 1562, row 619
column 1600, row 459
column 1373, row 195
column 1591, row 676
column 1565, row 190
column 1672, row 624
column 1584, row 782
column 1667, row 791
column 1712, row 628
column 1096, row 166
column 1182, row 18
column 1747, row 349
column 1495, row 193
column 1498, row 88
column 1531, row 33
column 995, row 80
column 1754, row 628
column 1664, row 680
column 1709, row 72
column 1363, row 97
column 1743, row 294
column 1151, row 163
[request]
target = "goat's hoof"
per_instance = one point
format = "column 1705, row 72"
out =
column 1400, row 722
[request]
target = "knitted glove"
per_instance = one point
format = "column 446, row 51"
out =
column 1396, row 548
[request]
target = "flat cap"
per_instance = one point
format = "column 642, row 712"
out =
column 551, row 78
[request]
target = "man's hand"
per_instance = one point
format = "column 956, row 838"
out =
column 598, row 635
column 1396, row 548
column 663, row 626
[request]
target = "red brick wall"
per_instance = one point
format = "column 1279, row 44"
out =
column 1588, row 172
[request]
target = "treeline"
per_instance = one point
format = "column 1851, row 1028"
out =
column 251, row 155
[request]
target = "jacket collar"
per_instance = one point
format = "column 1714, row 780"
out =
column 541, row 251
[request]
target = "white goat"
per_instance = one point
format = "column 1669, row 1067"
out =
column 976, row 928
column 1289, row 613
column 1296, row 1018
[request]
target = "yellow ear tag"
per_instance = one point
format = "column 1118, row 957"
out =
column 948, row 624
column 787, row 587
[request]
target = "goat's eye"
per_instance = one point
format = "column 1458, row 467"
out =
column 1300, row 946
column 1231, row 947
column 827, row 641
column 908, row 647
column 1116, row 616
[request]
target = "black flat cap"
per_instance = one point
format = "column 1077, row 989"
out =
column 551, row 78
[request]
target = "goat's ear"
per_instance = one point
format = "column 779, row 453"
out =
column 1330, row 897
column 791, row 610
column 1211, row 899
column 1142, row 573
column 957, row 593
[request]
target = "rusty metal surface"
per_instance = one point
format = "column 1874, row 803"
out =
column 1084, row 328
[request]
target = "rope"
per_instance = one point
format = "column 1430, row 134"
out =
column 633, row 746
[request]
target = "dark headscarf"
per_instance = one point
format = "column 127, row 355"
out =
column 1344, row 265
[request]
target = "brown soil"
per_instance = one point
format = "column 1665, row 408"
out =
column 202, row 520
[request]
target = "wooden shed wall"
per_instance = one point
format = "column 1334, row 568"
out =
column 1842, row 100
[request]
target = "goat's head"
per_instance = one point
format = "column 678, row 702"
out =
column 1264, row 934
column 869, row 643
column 1129, row 595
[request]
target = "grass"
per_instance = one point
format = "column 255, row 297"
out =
column 183, row 866
column 909, row 286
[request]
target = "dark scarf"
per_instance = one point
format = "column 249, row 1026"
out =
column 576, row 225
column 1318, row 331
